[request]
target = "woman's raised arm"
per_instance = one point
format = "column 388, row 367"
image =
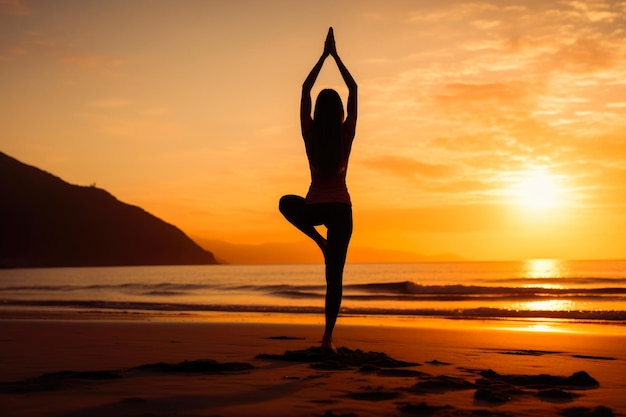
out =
column 350, row 121
column 306, row 122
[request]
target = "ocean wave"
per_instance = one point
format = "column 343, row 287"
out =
column 411, row 288
column 405, row 289
column 129, row 287
column 526, row 296
column 613, row 316
column 587, row 281
column 410, row 291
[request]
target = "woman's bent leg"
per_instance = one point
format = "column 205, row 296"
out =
column 295, row 210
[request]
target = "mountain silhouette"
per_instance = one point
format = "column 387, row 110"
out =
column 47, row 222
column 306, row 252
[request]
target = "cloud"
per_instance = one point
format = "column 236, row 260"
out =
column 14, row 8
column 609, row 149
column 509, row 100
column 584, row 55
column 442, row 12
column 12, row 53
column 456, row 218
column 408, row 168
column 143, row 130
column 102, row 63
column 483, row 24
column 111, row 103
column 129, row 123
column 595, row 11
column 38, row 44
column 502, row 92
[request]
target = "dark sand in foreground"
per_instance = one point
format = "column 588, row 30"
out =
column 194, row 368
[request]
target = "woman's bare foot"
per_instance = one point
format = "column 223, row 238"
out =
column 328, row 346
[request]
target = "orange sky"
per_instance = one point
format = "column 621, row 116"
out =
column 489, row 129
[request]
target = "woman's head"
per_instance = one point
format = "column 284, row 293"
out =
column 328, row 107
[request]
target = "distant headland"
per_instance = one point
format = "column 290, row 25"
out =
column 47, row 222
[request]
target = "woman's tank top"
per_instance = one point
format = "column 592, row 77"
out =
column 333, row 189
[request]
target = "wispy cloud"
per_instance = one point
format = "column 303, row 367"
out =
column 133, row 126
column 12, row 53
column 596, row 10
column 14, row 8
column 111, row 103
column 64, row 52
column 501, row 93
column 407, row 168
column 101, row 63
column 584, row 55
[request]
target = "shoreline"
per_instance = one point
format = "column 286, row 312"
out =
column 522, row 324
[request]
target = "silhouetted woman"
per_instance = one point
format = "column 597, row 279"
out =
column 328, row 141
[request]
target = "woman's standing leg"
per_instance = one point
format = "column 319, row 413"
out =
column 339, row 224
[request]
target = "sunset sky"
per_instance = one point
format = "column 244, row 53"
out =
column 489, row 129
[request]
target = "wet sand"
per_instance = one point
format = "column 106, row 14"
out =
column 213, row 368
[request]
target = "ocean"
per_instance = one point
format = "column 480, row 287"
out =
column 578, row 291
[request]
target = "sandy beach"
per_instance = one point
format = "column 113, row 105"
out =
column 250, row 367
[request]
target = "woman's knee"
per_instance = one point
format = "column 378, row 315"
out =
column 288, row 203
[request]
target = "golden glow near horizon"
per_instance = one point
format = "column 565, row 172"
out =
column 489, row 129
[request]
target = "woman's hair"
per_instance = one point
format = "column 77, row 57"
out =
column 327, row 147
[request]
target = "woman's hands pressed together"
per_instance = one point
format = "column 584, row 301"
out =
column 329, row 44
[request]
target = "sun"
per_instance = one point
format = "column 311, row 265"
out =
column 538, row 189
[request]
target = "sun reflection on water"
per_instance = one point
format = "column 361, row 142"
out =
column 542, row 269
column 542, row 327
column 545, row 274
column 547, row 305
column 545, row 268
